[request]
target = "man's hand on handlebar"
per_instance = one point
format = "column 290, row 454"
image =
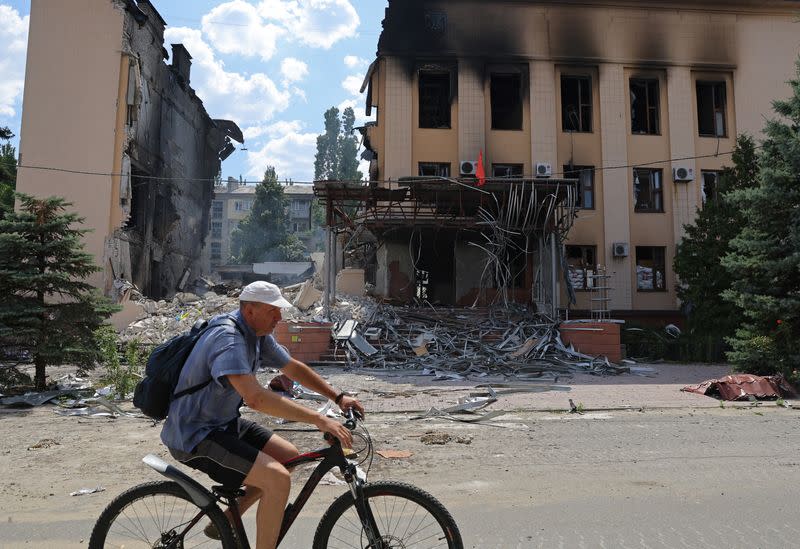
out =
column 336, row 429
column 350, row 403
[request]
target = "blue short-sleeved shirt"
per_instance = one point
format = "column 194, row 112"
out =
column 220, row 351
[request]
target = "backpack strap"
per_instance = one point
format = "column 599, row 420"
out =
column 224, row 322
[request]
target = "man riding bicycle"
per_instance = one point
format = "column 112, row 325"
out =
column 204, row 429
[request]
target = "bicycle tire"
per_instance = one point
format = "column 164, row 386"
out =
column 124, row 517
column 340, row 527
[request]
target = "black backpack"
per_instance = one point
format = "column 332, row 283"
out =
column 154, row 393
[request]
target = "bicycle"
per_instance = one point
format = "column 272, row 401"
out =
column 382, row 515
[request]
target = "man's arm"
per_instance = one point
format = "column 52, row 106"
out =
column 265, row 401
column 308, row 378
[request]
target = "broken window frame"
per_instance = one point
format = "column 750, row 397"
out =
column 583, row 116
column 654, row 259
column 508, row 171
column 651, row 108
column 505, row 116
column 434, row 169
column 435, row 109
column 718, row 108
column 585, row 177
column 652, row 181
column 709, row 185
column 582, row 263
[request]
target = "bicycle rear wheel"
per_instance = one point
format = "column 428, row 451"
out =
column 158, row 515
column 407, row 517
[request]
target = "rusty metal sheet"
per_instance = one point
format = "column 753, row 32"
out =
column 743, row 386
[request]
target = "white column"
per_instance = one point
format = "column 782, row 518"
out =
column 682, row 145
column 398, row 118
column 544, row 126
column 471, row 113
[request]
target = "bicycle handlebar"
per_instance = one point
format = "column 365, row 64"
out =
column 353, row 416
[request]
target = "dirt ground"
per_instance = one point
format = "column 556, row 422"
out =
column 46, row 456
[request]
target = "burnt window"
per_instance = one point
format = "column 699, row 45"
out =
column 585, row 177
column 711, row 101
column 434, row 169
column 644, row 106
column 576, row 103
column 506, row 170
column 648, row 191
column 581, row 262
column 434, row 99
column 506, row 99
column 651, row 273
column 710, row 186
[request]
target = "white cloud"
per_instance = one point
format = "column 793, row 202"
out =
column 13, row 46
column 289, row 149
column 353, row 84
column 316, row 23
column 236, row 27
column 353, row 61
column 242, row 98
column 293, row 70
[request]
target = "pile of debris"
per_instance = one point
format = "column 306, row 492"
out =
column 459, row 343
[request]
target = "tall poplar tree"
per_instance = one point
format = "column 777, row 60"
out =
column 337, row 148
column 46, row 306
column 8, row 172
column 764, row 260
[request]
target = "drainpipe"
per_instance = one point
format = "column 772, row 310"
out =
column 554, row 276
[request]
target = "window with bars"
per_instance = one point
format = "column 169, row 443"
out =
column 645, row 116
column 216, row 251
column 651, row 272
column 434, row 169
column 585, row 176
column 434, row 99
column 648, row 191
column 582, row 262
column 576, row 103
column 711, row 101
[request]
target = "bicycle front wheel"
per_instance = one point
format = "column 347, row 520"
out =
column 406, row 516
column 159, row 515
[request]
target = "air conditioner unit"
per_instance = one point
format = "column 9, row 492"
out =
column 468, row 167
column 682, row 173
column 619, row 249
column 544, row 169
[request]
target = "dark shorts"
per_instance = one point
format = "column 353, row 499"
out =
column 227, row 455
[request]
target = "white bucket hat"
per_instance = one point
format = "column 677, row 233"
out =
column 264, row 292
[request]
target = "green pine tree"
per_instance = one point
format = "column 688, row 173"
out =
column 697, row 263
column 46, row 306
column 8, row 173
column 263, row 235
column 765, row 256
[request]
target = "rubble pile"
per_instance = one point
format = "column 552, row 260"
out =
column 510, row 341
column 166, row 319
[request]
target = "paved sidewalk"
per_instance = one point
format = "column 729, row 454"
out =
column 400, row 392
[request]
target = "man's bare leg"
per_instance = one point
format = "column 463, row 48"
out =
column 272, row 480
column 280, row 449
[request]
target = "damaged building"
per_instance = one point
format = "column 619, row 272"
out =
column 123, row 137
column 603, row 127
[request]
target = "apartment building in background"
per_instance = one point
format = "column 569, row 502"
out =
column 126, row 139
column 637, row 103
column 232, row 203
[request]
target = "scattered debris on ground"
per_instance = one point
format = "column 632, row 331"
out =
column 745, row 387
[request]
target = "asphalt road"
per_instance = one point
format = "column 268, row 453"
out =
column 710, row 478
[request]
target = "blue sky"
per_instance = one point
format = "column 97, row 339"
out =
column 273, row 66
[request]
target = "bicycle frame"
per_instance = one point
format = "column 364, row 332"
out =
column 329, row 458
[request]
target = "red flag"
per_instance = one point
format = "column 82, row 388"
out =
column 480, row 172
